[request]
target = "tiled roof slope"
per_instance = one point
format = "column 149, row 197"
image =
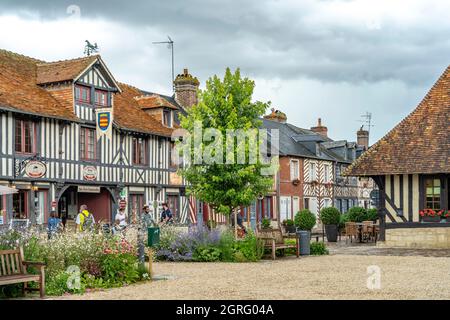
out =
column 128, row 114
column 62, row 70
column 418, row 144
column 154, row 101
column 18, row 89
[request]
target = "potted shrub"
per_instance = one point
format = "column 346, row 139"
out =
column 330, row 218
column 305, row 220
column 265, row 224
column 372, row 215
column 289, row 226
column 357, row 214
column 430, row 215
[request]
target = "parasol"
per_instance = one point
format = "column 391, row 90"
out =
column 7, row 190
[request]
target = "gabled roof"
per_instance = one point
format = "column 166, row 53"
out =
column 70, row 70
column 288, row 145
column 19, row 92
column 59, row 71
column 418, row 144
column 154, row 101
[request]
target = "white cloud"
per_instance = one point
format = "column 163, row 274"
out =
column 335, row 59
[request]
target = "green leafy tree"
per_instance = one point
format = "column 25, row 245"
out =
column 223, row 181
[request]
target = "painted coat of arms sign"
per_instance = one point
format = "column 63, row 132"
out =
column 104, row 122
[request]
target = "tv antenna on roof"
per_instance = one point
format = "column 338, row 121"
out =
column 90, row 48
column 170, row 45
column 367, row 120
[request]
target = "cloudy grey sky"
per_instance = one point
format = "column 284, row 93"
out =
column 334, row 59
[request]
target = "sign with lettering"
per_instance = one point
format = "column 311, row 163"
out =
column 35, row 169
column 88, row 189
column 90, row 173
column 1, row 219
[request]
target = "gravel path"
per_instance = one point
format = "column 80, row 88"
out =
column 327, row 277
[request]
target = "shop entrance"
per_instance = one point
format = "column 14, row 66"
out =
column 97, row 199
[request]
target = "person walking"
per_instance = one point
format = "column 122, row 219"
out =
column 53, row 225
column 147, row 217
column 166, row 215
column 146, row 221
column 85, row 220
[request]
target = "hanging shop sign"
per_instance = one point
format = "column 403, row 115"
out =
column 90, row 173
column 104, row 122
column 35, row 169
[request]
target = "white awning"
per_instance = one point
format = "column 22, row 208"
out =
column 6, row 190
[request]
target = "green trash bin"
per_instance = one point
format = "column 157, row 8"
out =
column 153, row 237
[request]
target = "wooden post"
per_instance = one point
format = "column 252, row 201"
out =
column 150, row 262
column 235, row 225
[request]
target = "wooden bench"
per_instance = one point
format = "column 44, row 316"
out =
column 274, row 239
column 13, row 269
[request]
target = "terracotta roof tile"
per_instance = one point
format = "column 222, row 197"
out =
column 418, row 144
column 154, row 101
column 62, row 70
column 128, row 113
column 18, row 89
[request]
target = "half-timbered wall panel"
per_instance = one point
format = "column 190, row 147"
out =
column 402, row 198
column 6, row 147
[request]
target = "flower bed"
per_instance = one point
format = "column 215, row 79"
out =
column 204, row 245
column 76, row 262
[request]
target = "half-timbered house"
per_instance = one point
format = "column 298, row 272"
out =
column 411, row 166
column 49, row 149
column 310, row 169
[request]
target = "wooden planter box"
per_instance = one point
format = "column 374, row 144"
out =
column 431, row 219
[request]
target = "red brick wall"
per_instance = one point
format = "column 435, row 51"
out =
column 287, row 188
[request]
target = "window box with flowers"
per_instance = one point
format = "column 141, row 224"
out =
column 430, row 215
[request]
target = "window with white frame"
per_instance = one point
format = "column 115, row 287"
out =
column 295, row 170
column 326, row 175
column 312, row 171
column 285, row 208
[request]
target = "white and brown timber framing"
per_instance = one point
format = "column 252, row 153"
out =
column 45, row 94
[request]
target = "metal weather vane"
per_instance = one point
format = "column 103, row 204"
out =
column 90, row 48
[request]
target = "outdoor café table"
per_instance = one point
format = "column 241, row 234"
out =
column 360, row 229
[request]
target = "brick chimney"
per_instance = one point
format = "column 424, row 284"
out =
column 277, row 116
column 322, row 130
column 186, row 88
column 363, row 138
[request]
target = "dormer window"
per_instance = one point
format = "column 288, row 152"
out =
column 167, row 118
column 101, row 98
column 82, row 94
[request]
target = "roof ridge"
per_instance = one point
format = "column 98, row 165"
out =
column 44, row 63
column 15, row 54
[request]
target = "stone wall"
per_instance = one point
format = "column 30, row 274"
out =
column 419, row 238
